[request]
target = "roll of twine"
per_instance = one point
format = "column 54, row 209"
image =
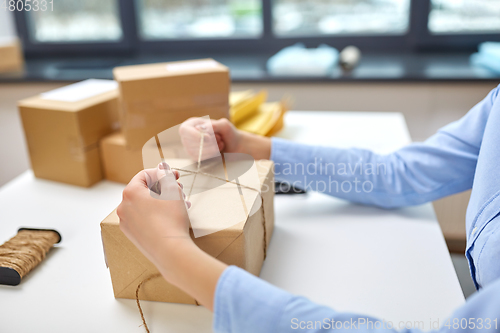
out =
column 195, row 173
column 26, row 250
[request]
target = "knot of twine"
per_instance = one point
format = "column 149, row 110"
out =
column 26, row 250
column 196, row 173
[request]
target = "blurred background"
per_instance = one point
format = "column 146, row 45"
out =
column 264, row 25
column 415, row 59
column 104, row 20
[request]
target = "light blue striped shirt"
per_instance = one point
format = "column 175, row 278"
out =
column 462, row 155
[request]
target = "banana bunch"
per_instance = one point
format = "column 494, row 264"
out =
column 250, row 112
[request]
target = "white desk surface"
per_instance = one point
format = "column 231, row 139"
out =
column 392, row 264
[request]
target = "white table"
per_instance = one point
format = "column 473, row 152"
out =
column 392, row 264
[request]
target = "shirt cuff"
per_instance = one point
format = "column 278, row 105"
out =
column 244, row 303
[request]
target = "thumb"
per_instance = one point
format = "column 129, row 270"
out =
column 166, row 186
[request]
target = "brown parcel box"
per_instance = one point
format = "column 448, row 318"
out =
column 63, row 137
column 241, row 245
column 120, row 163
column 155, row 97
column 11, row 56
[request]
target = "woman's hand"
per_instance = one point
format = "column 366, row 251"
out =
column 156, row 221
column 153, row 221
column 221, row 136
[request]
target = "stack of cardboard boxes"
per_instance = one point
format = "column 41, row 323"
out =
column 65, row 128
column 72, row 132
column 156, row 97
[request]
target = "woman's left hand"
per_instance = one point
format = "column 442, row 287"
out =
column 155, row 222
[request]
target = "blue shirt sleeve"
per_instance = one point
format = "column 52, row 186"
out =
column 247, row 304
column 421, row 172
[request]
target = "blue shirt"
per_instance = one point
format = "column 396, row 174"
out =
column 462, row 155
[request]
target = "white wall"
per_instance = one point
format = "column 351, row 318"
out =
column 6, row 23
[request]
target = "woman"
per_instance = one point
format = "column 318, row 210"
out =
column 462, row 155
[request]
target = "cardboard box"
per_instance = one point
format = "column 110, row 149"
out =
column 155, row 97
column 120, row 164
column 242, row 244
column 11, row 55
column 63, row 130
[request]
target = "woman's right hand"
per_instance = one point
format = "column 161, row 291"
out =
column 224, row 137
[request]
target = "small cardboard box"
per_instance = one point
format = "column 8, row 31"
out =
column 63, row 128
column 155, row 97
column 11, row 55
column 120, row 163
column 243, row 244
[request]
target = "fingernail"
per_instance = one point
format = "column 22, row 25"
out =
column 202, row 127
column 163, row 166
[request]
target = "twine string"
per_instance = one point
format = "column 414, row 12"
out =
column 137, row 298
column 200, row 153
column 199, row 172
column 26, row 250
column 195, row 173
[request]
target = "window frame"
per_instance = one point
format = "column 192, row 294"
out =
column 427, row 41
column 417, row 38
column 125, row 44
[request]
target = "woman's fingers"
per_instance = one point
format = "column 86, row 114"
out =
column 143, row 179
column 191, row 132
column 202, row 127
column 163, row 183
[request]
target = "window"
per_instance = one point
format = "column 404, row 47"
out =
column 111, row 27
column 323, row 17
column 76, row 21
column 464, row 16
column 186, row 19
